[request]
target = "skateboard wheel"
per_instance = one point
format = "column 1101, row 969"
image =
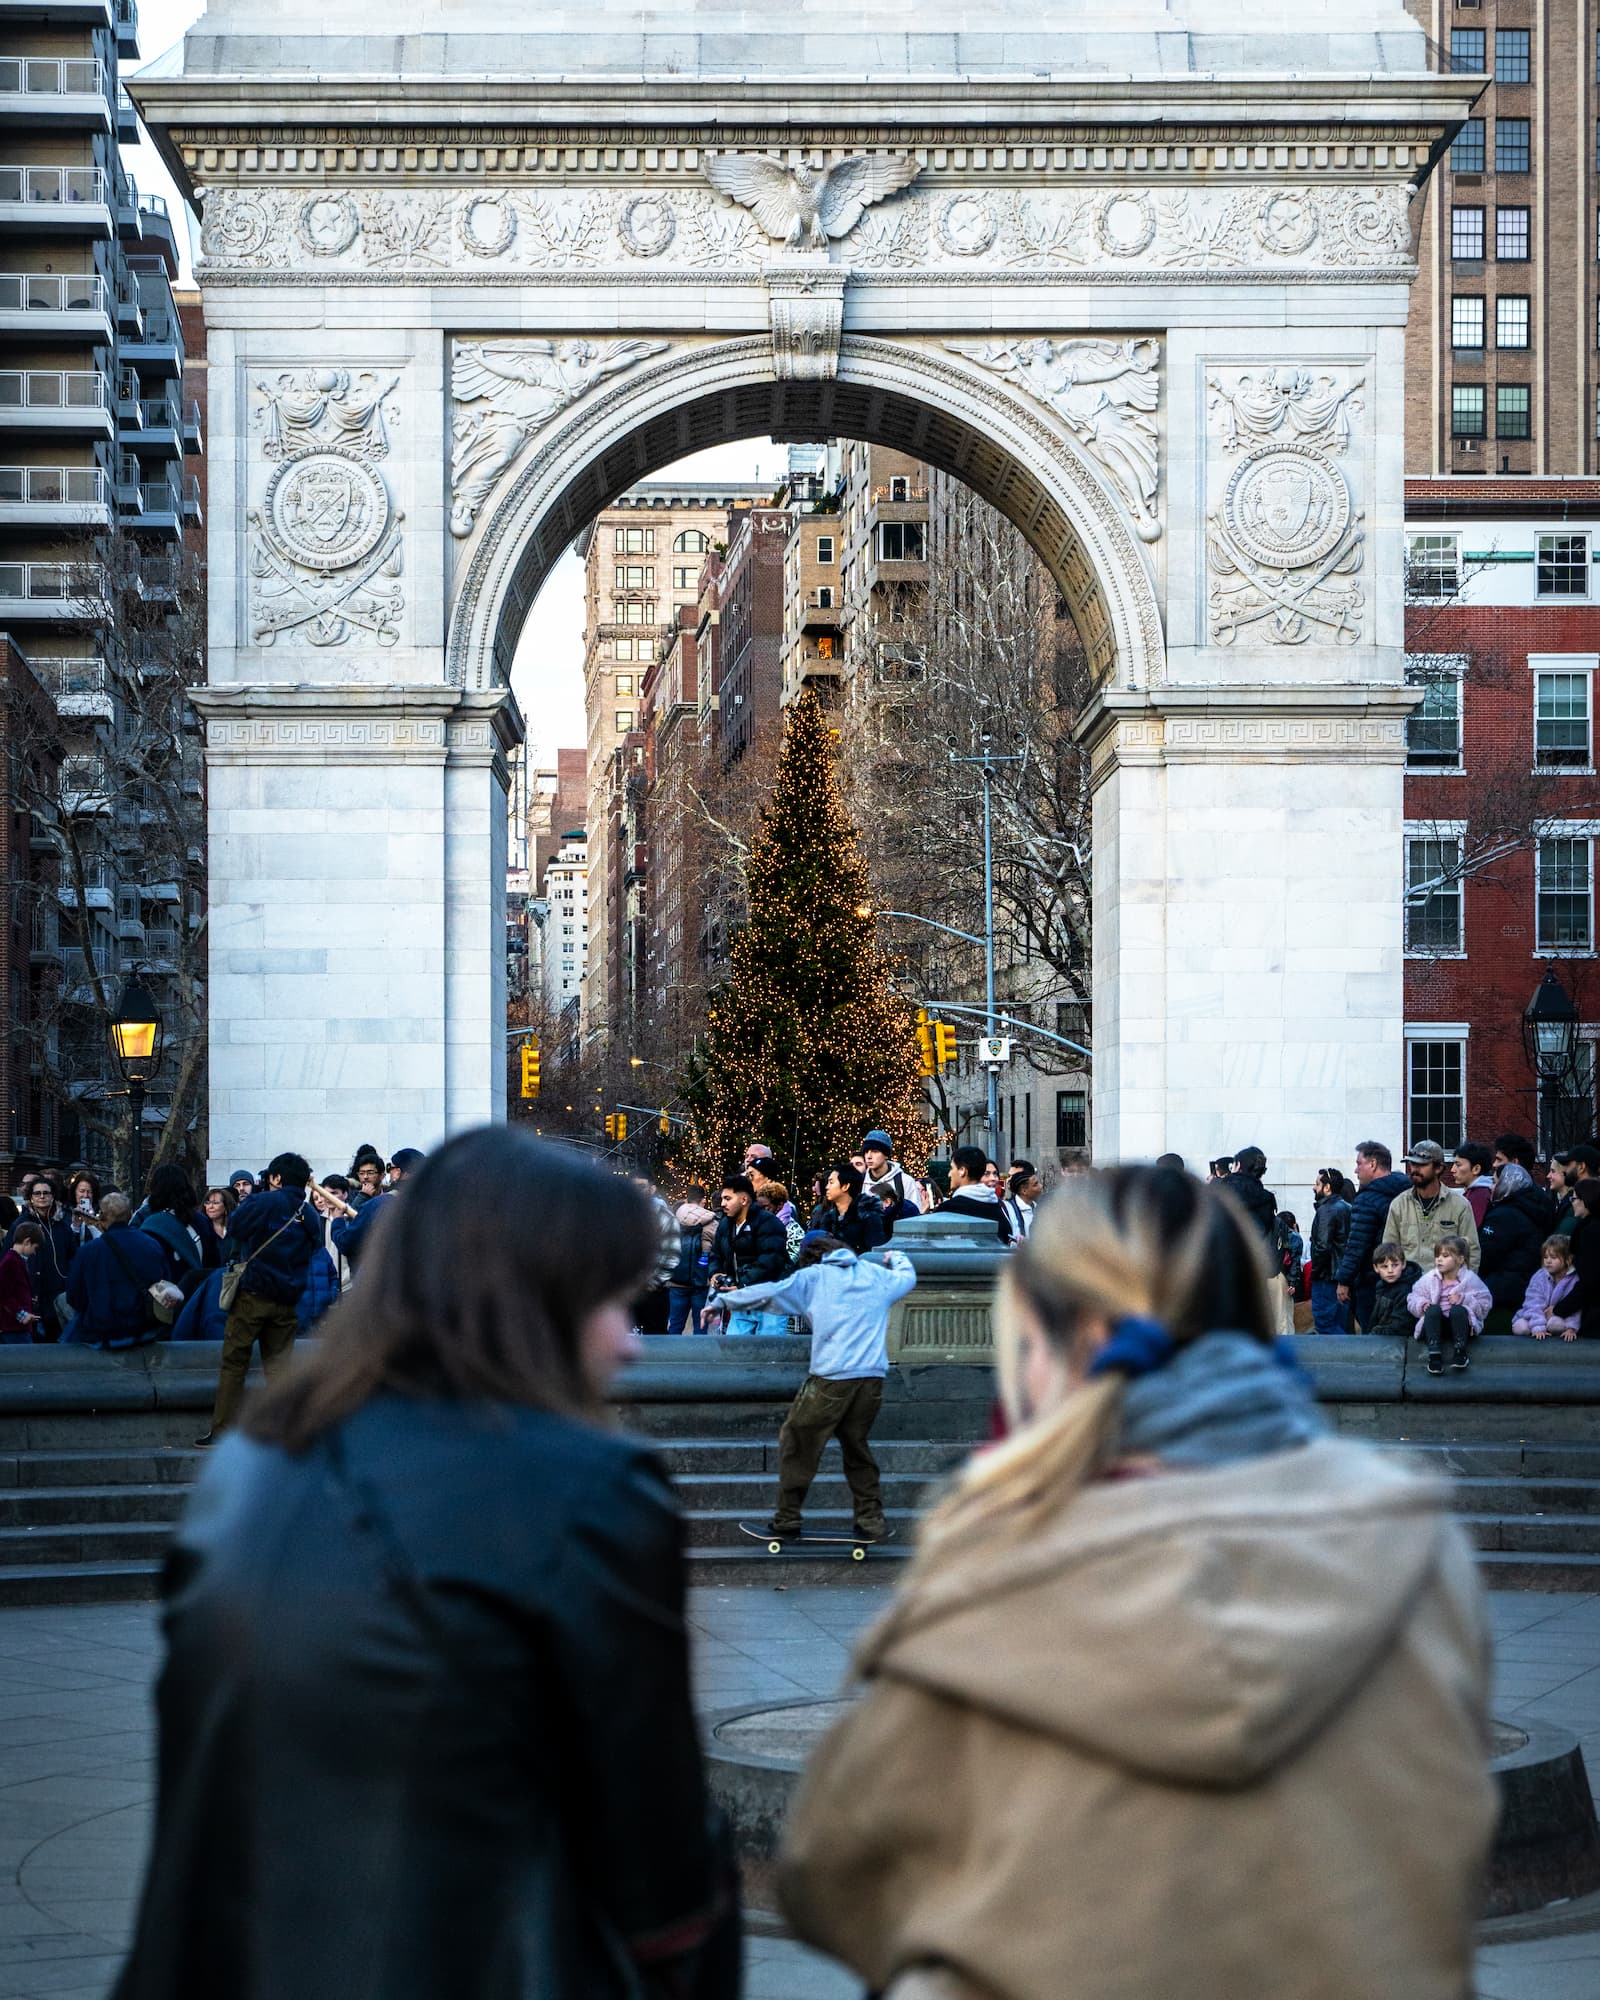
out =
column 858, row 1555
column 774, row 1548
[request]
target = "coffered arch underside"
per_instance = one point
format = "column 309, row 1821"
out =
column 897, row 394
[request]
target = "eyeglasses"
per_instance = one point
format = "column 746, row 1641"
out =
column 38, row 1193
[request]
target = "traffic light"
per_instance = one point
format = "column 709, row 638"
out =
column 944, row 1043
column 622, row 1126
column 530, row 1069
column 664, row 1126
column 611, row 1124
column 924, row 1042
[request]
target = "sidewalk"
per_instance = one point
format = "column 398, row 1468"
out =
column 76, row 1772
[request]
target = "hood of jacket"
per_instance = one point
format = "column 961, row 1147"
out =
column 1195, row 1627
column 1384, row 1188
column 1525, row 1198
column 692, row 1216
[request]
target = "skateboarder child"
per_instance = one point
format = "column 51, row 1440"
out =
column 847, row 1300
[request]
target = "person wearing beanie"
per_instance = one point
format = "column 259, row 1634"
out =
column 847, row 1300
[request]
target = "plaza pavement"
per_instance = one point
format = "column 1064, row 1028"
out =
column 76, row 1771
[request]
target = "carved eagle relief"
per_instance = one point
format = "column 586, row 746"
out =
column 804, row 206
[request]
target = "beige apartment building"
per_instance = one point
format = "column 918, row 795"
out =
column 1502, row 339
column 642, row 561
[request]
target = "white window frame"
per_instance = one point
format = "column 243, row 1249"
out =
column 1433, row 829
column 1467, row 311
column 1513, row 346
column 1563, row 663
column 825, row 550
column 1421, row 667
column 1573, row 829
column 1561, row 596
column 1434, row 1034
column 1469, row 256
column 1419, row 596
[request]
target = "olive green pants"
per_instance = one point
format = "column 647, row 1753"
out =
column 825, row 1409
column 251, row 1319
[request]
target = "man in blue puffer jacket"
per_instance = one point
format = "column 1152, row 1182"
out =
column 1377, row 1185
column 275, row 1234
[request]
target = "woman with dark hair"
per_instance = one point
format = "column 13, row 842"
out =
column 1184, row 1693
column 425, row 1714
column 173, row 1218
column 52, row 1264
column 83, row 1203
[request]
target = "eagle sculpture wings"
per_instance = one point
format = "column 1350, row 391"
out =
column 803, row 206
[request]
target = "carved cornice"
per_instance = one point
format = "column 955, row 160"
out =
column 1126, row 728
column 302, row 723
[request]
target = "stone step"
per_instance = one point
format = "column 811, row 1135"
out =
column 57, row 1506
column 715, row 1528
column 724, row 1564
column 905, row 1492
column 96, row 1542
column 1535, row 1534
column 1527, row 1496
column 1523, row 1569
column 115, row 1582
column 693, row 1456
column 157, row 1465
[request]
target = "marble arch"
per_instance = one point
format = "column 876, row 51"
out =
column 1141, row 278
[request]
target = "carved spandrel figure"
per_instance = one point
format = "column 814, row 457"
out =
column 1106, row 392
column 803, row 206
column 505, row 390
column 311, row 408
column 1286, row 403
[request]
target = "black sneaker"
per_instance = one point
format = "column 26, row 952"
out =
column 881, row 1534
column 1460, row 1358
column 782, row 1534
column 205, row 1440
column 1435, row 1361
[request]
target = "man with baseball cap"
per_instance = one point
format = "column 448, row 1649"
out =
column 1429, row 1209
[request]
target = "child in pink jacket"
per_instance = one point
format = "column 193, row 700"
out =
column 1541, row 1313
column 1450, row 1298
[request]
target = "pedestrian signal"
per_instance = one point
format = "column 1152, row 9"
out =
column 530, row 1069
column 924, row 1043
column 944, row 1043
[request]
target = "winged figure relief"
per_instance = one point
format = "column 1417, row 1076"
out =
column 804, row 206
column 505, row 390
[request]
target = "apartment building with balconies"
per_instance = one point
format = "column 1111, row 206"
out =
column 98, row 444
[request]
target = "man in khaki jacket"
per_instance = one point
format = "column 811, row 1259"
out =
column 1429, row 1209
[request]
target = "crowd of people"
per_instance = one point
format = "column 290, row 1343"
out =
column 426, row 1717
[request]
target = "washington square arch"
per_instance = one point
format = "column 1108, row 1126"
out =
column 1137, row 273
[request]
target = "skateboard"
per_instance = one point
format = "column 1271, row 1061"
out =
column 778, row 1545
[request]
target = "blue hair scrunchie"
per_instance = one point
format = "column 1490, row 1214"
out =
column 1138, row 1346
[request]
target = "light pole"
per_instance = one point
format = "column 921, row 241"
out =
column 986, row 761
column 137, row 1037
column 1550, row 1039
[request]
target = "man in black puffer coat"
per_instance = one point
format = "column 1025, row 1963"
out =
column 1377, row 1185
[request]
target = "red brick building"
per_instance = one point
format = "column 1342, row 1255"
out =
column 1502, row 804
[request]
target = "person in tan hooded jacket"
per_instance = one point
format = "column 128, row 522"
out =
column 1185, row 1698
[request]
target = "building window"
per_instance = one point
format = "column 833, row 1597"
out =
column 636, row 541
column 825, row 549
column 683, row 575
column 1433, row 896
column 1511, row 55
column 1597, row 412
column 1072, row 1118
column 825, row 597
column 1511, row 322
column 1564, row 896
column 1466, row 149
column 1466, row 322
column 1435, row 1094
column 1567, row 1115
column 1512, row 418
column 1511, row 235
column 635, row 576
column 692, row 542
column 637, row 611
column 1467, row 51
column 624, row 721
column 1466, row 410
column 623, row 648
column 1511, row 145
column 1562, row 569
column 1466, row 234
column 1433, row 729
column 1433, row 567
column 899, row 489
column 900, row 541
column 1561, row 721
column 624, row 683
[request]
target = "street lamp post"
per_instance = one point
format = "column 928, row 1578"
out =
column 987, row 760
column 137, row 1037
column 1550, row 1039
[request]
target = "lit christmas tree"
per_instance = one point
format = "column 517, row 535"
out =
column 806, row 1046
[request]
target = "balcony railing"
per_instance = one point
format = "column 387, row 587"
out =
column 52, row 389
column 53, row 185
column 155, row 205
column 160, row 326
column 69, row 678
column 53, row 486
column 161, row 412
column 39, row 582
column 160, row 496
column 52, row 76
column 53, row 292
column 161, row 945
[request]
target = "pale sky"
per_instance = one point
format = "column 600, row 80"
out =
column 548, row 675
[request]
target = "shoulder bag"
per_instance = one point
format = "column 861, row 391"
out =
column 228, row 1290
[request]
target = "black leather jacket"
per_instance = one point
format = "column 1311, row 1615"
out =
column 426, row 1725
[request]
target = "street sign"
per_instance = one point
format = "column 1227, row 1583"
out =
column 994, row 1048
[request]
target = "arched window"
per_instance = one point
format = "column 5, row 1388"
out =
column 692, row 542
